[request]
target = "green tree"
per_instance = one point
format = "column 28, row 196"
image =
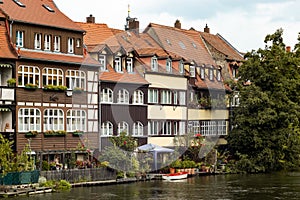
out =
column 266, row 124
column 6, row 155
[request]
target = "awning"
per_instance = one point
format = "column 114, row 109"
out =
column 4, row 110
column 6, row 65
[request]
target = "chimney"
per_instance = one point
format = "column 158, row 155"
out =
column 90, row 19
column 134, row 25
column 206, row 29
column 288, row 49
column 177, row 24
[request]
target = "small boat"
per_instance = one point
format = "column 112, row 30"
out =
column 175, row 176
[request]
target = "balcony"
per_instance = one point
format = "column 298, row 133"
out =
column 7, row 96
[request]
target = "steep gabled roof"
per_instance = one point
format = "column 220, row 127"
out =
column 6, row 48
column 40, row 12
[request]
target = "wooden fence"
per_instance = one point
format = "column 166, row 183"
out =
column 80, row 175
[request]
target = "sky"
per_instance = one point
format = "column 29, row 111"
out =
column 244, row 24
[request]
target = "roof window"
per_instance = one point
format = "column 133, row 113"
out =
column 168, row 41
column 194, row 45
column 19, row 3
column 182, row 45
column 48, row 8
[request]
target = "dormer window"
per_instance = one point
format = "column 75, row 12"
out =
column 117, row 64
column 102, row 61
column 37, row 40
column 19, row 3
column 70, row 45
column 202, row 72
column 234, row 72
column 48, row 8
column 219, row 75
column 169, row 66
column 181, row 67
column 19, row 38
column 47, row 42
column 154, row 64
column 211, row 74
column 56, row 43
column 192, row 71
column 129, row 65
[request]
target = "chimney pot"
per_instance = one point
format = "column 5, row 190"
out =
column 206, row 29
column 90, row 19
column 177, row 24
column 288, row 49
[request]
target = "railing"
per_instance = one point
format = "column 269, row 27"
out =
column 7, row 94
column 79, row 175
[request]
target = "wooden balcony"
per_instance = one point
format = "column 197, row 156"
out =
column 7, row 96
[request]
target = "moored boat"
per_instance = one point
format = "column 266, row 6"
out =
column 175, row 176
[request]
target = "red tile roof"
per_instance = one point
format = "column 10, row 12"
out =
column 35, row 13
column 6, row 48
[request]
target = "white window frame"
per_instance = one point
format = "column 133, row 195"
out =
column 192, row 71
column 152, row 96
column 175, row 98
column 213, row 128
column 78, row 42
column 71, row 45
column 107, row 129
column 76, row 120
column 53, row 119
column 218, row 75
column 181, row 67
column 138, row 129
column 211, row 74
column 56, row 43
column 47, row 42
column 20, row 38
column 129, row 65
column 182, row 127
column 202, row 72
column 166, row 97
column 118, row 64
column 166, row 128
column 123, row 96
column 76, row 79
column 37, row 41
column 138, row 97
column 182, row 98
column 29, row 119
column 107, row 95
column 53, row 76
column 32, row 72
column 102, row 61
column 169, row 65
column 153, row 128
column 123, row 127
column 154, row 64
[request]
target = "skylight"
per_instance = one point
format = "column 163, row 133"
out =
column 168, row 41
column 48, row 8
column 194, row 45
column 182, row 45
column 19, row 3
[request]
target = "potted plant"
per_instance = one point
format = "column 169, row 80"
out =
column 31, row 134
column 77, row 90
column 11, row 82
column 31, row 86
column 77, row 133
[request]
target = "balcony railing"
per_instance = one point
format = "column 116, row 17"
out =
column 7, row 94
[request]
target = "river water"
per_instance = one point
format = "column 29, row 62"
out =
column 222, row 187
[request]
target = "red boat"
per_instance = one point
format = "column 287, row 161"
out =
column 175, row 176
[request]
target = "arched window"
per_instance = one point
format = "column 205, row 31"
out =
column 123, row 96
column 53, row 119
column 123, row 127
column 29, row 119
column 181, row 67
column 107, row 129
column 28, row 75
column 138, row 129
column 52, row 76
column 76, row 78
column 138, row 97
column 154, row 64
column 76, row 120
column 106, row 95
column 169, row 65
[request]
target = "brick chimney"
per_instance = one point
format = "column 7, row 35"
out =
column 206, row 29
column 288, row 49
column 90, row 19
column 177, row 24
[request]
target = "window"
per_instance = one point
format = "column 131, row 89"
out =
column 138, row 129
column 129, row 65
column 29, row 119
column 78, row 42
column 209, row 128
column 153, row 127
column 154, row 64
column 19, row 3
column 123, row 96
column 234, row 72
column 175, row 128
column 169, row 66
column 48, row 8
column 47, row 42
column 123, row 127
column 53, row 119
column 37, row 41
column 181, row 67
column 52, row 76
column 218, row 75
column 235, row 100
column 70, row 45
column 106, row 95
column 211, row 74
column 19, row 38
column 57, row 43
column 102, row 61
column 117, row 64
column 202, row 72
column 152, row 96
column 138, row 97
column 76, row 120
column 166, row 128
column 28, row 74
column 166, row 97
column 76, row 78
column 181, row 128
column 192, row 71
column 182, row 98
column 107, row 129
column 182, row 45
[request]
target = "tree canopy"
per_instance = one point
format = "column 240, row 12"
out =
column 265, row 135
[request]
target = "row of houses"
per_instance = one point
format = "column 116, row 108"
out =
column 84, row 77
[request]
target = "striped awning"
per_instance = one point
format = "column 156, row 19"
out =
column 6, row 65
column 4, row 110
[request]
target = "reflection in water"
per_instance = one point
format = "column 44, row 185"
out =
column 227, row 187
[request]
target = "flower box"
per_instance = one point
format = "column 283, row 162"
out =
column 77, row 133
column 31, row 86
column 31, row 134
column 51, row 133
